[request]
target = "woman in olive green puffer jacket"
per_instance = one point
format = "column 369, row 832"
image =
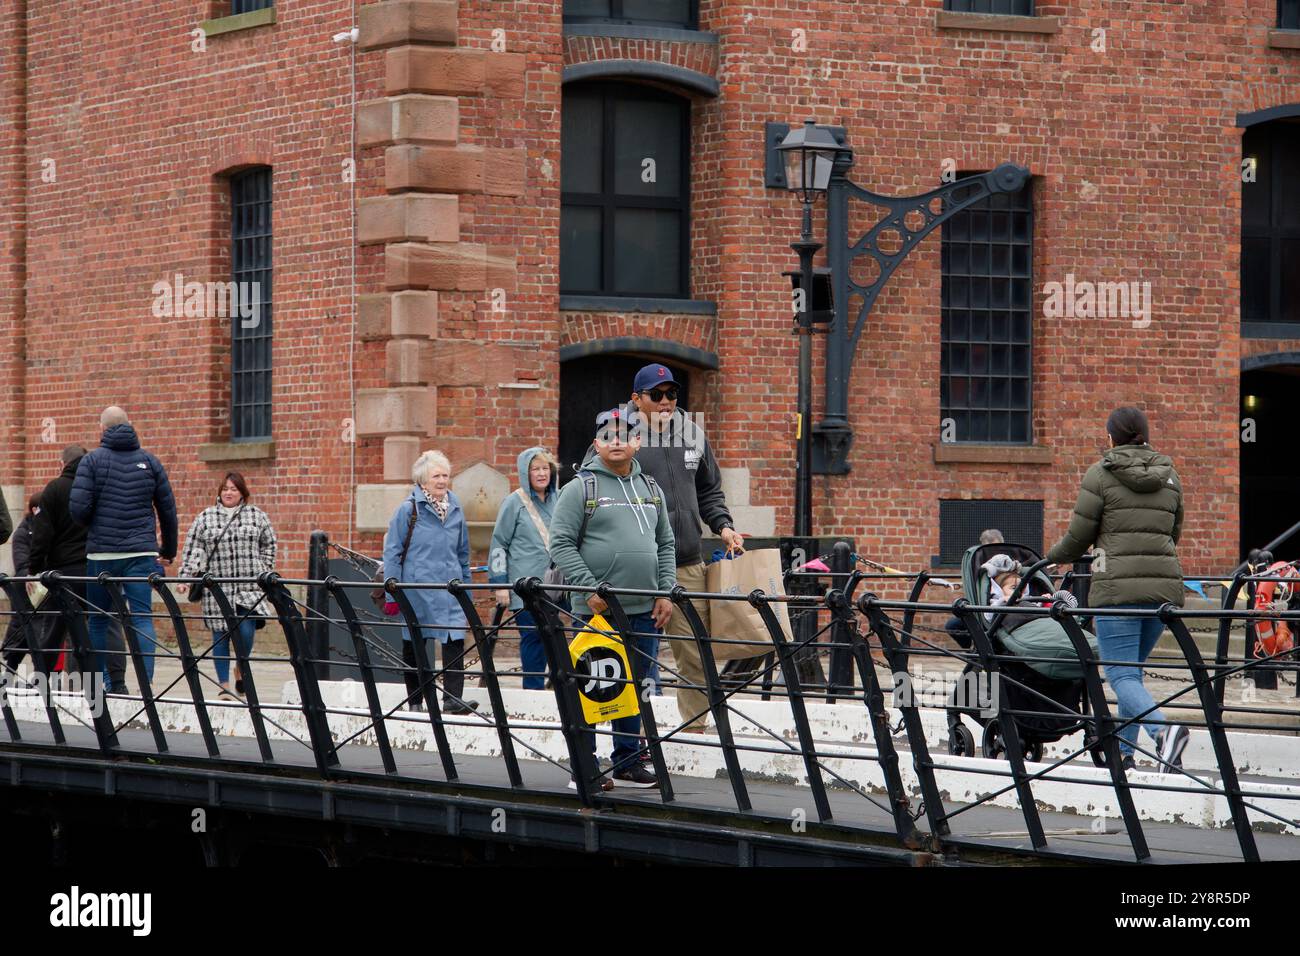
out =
column 1130, row 512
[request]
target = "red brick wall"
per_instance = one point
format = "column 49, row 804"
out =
column 13, row 209
column 140, row 128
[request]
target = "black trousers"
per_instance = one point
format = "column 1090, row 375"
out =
column 15, row 646
column 54, row 623
column 453, row 675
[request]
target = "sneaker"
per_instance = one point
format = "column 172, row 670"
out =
column 635, row 776
column 456, row 709
column 1171, row 743
column 605, row 784
column 1128, row 763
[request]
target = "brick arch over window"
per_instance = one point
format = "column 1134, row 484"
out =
column 669, row 74
column 688, row 338
column 642, row 345
column 1270, row 360
column 1254, row 118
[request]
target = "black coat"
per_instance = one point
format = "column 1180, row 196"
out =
column 22, row 546
column 57, row 540
column 6, row 522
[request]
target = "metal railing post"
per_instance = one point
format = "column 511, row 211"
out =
column 424, row 674
column 189, row 663
column 922, row 763
column 84, row 654
column 114, row 589
column 313, row 707
column 483, row 644
column 28, row 616
column 874, row 699
column 717, row 701
column 1218, row 735
column 1006, row 722
column 573, row 725
column 1107, row 730
column 318, row 631
column 1230, row 595
column 367, row 672
column 790, row 670
column 245, row 667
column 840, row 681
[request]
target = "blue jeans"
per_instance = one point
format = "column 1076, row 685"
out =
column 138, row 602
column 221, row 650
column 627, row 730
column 531, row 653
column 1130, row 639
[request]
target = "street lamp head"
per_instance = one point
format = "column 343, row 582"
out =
column 809, row 152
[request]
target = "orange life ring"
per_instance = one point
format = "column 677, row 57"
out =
column 1274, row 637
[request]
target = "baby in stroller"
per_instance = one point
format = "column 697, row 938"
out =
column 1040, row 671
column 1004, row 574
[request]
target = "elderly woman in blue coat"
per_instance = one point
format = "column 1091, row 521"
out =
column 520, row 549
column 428, row 543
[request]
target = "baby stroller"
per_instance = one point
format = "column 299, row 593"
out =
column 1059, row 678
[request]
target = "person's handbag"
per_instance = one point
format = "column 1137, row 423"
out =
column 247, row 613
column 378, row 595
column 195, row 592
column 740, row 620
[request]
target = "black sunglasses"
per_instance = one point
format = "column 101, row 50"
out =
column 658, row 394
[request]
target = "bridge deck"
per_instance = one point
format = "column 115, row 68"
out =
column 981, row 834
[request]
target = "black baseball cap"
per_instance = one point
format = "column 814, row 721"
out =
column 620, row 419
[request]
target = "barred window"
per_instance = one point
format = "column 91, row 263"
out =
column 1270, row 223
column 985, row 325
column 1024, row 8
column 681, row 13
column 1288, row 14
column 962, row 521
column 250, row 260
column 624, row 220
column 248, row 6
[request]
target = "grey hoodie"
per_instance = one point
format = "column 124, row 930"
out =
column 628, row 542
column 517, row 550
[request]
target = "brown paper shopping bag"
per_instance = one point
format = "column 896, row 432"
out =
column 740, row 620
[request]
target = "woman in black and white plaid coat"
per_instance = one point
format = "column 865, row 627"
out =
column 231, row 539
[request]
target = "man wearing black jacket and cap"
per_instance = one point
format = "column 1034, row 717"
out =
column 676, row 453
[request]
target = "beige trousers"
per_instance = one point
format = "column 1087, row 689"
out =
column 693, row 705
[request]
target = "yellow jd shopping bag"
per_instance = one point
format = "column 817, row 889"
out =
column 598, row 652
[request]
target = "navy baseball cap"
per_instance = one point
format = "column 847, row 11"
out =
column 652, row 376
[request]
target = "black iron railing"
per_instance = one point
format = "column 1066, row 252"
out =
column 885, row 640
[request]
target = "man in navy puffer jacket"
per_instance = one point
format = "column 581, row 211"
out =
column 117, row 489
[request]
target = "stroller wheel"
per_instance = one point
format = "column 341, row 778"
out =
column 991, row 746
column 1095, row 751
column 961, row 742
column 1034, row 751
